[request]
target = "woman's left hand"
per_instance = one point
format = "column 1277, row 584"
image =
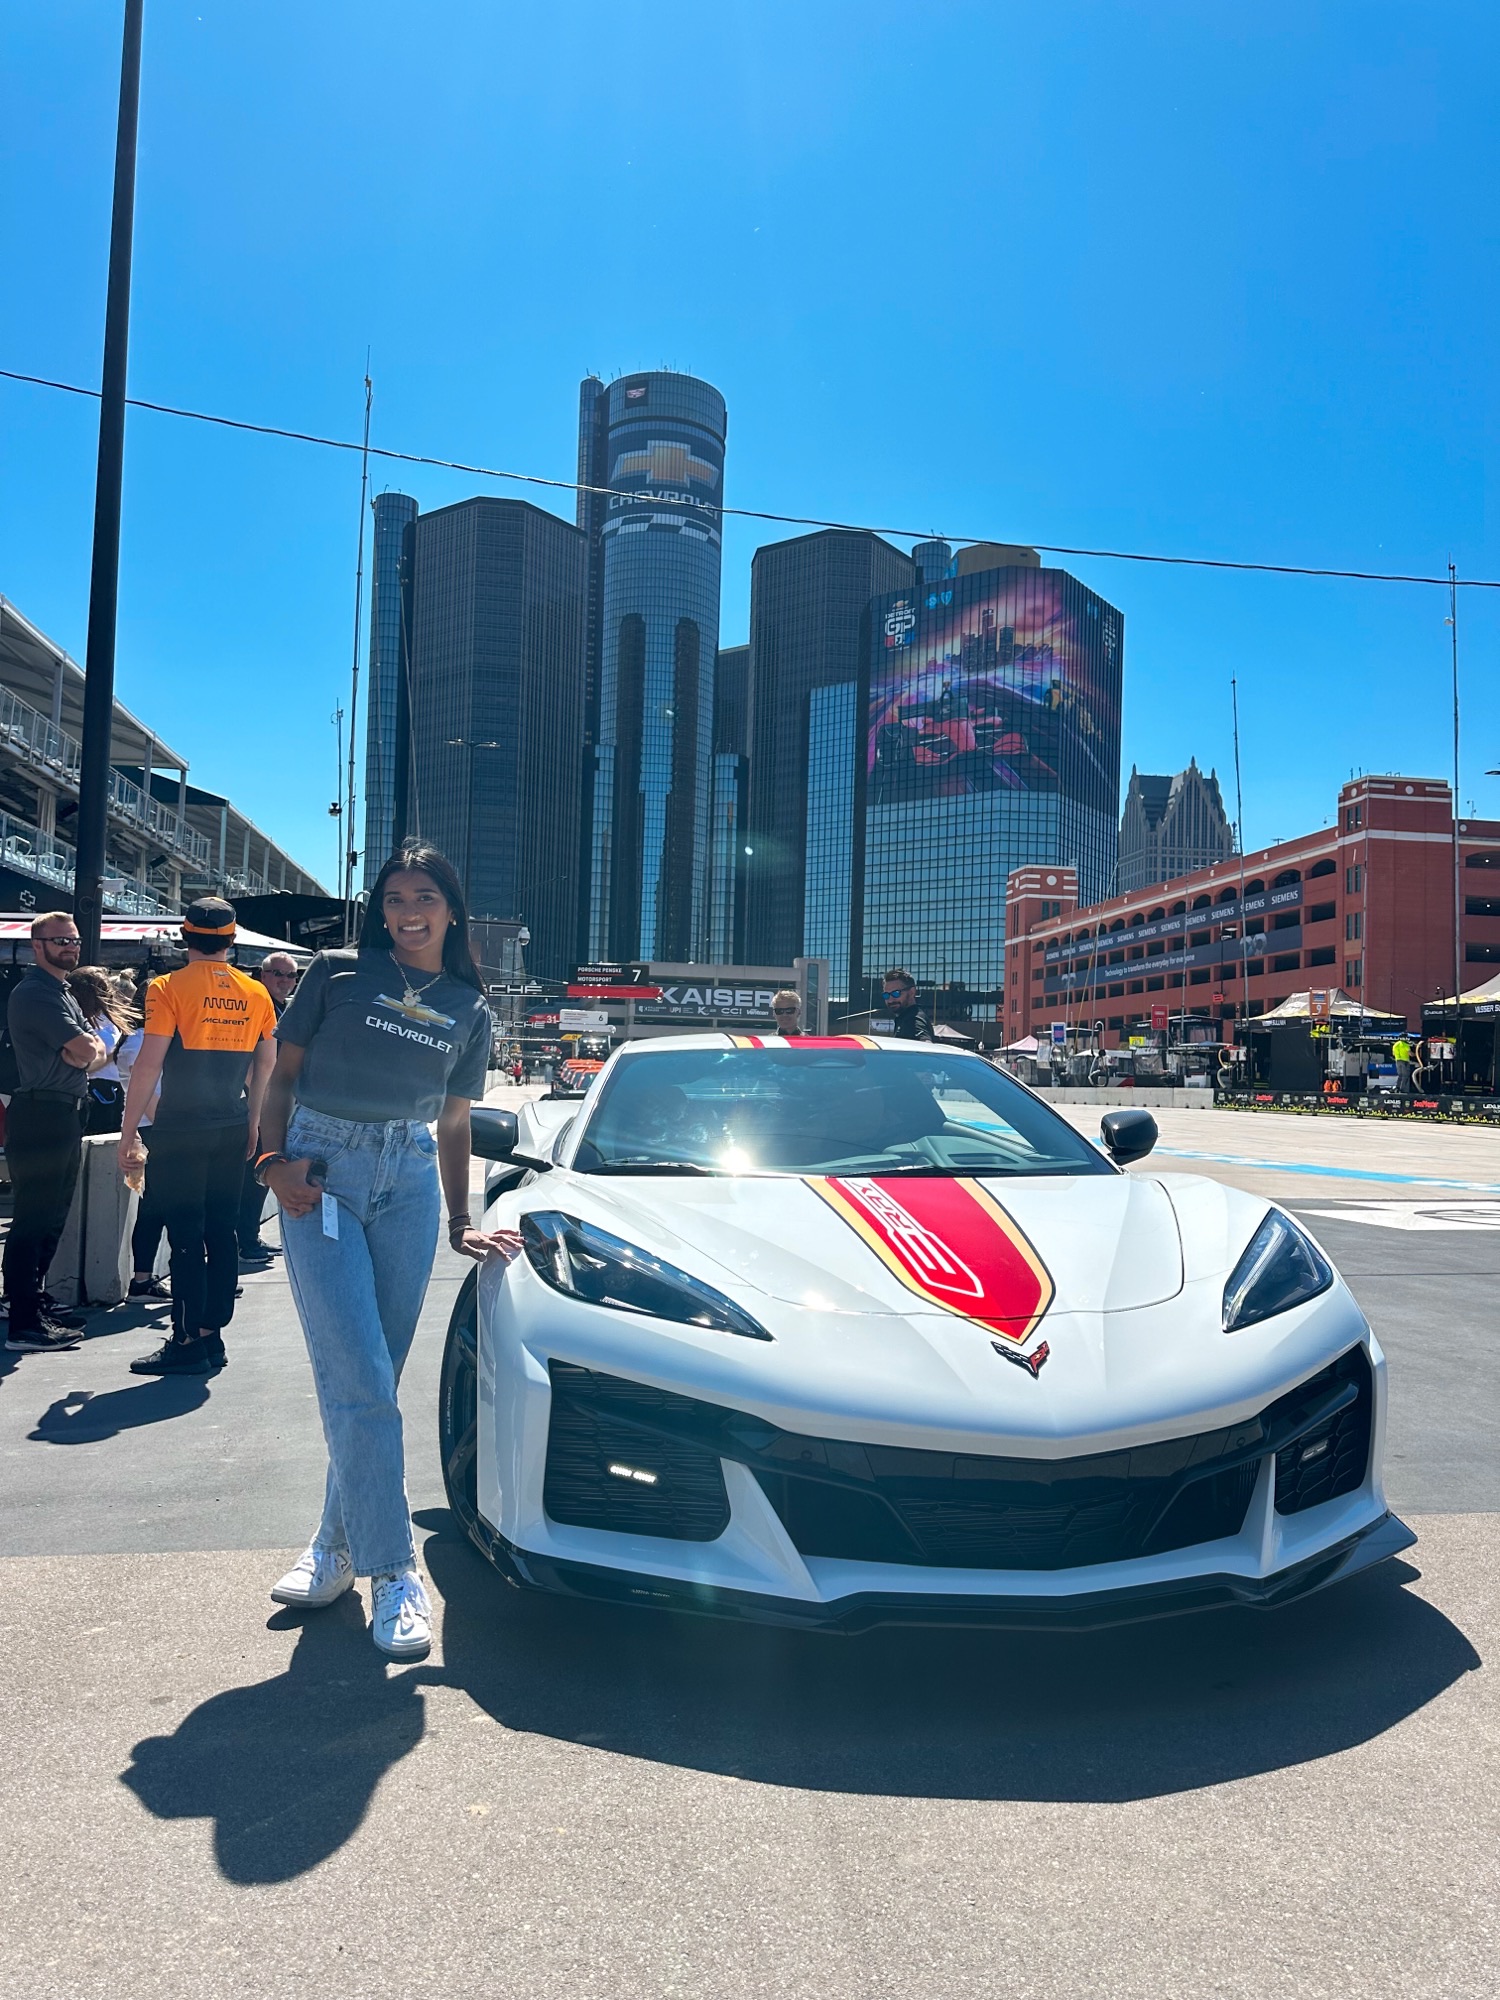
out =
column 482, row 1243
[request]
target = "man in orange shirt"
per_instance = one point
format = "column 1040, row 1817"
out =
column 209, row 1032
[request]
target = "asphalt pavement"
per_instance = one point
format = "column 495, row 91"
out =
column 210, row 1795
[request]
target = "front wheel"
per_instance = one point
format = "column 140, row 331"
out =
column 458, row 1409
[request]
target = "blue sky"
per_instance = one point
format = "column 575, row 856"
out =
column 1183, row 277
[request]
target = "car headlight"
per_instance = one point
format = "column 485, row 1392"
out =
column 1280, row 1268
column 588, row 1263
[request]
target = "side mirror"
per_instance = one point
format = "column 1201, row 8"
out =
column 492, row 1132
column 1127, row 1135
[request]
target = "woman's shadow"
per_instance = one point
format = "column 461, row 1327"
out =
column 286, row 1769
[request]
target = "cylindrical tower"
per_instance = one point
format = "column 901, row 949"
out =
column 659, row 633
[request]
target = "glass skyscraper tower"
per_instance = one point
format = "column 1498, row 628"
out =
column 496, row 647
column 656, row 441
column 809, row 600
column 394, row 512
column 989, row 738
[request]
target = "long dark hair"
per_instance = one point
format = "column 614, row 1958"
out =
column 96, row 993
column 458, row 953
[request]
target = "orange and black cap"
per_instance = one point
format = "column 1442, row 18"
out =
column 209, row 917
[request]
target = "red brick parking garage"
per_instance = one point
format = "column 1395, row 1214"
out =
column 1366, row 904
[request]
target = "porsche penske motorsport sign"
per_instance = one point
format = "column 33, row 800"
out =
column 951, row 1243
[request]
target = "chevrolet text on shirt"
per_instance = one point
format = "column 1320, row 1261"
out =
column 391, row 1057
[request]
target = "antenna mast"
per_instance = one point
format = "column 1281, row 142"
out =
column 350, row 856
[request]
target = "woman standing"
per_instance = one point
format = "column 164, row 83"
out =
column 150, row 1216
column 108, row 1018
column 377, row 1045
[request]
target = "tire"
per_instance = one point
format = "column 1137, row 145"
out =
column 458, row 1411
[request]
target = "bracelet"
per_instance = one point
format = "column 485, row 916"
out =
column 264, row 1165
column 458, row 1222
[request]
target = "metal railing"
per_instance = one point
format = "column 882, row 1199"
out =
column 28, row 732
column 31, row 852
column 229, row 882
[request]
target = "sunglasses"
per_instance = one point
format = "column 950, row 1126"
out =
column 785, row 1010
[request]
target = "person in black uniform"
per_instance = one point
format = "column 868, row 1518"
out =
column 900, row 996
column 55, row 1049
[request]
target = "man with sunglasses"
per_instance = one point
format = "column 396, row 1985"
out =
column 55, row 1049
column 786, row 1008
column 899, row 992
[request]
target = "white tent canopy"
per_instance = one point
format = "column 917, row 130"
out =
column 1298, row 1007
column 158, row 930
column 1476, row 996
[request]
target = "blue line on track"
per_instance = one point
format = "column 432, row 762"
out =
column 1333, row 1173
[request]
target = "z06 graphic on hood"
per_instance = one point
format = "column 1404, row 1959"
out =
column 951, row 1243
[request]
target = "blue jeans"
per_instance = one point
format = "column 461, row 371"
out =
column 358, row 1296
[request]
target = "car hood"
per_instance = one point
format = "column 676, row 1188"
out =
column 1003, row 1251
column 859, row 1352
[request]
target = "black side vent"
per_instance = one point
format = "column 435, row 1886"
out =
column 609, row 1467
column 1324, row 1463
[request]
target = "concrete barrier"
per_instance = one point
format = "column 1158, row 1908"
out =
column 92, row 1265
column 1145, row 1095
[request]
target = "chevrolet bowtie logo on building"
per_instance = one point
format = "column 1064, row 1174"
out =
column 663, row 463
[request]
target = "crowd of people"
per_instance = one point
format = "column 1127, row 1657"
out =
column 344, row 1094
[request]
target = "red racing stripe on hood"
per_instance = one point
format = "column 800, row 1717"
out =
column 951, row 1243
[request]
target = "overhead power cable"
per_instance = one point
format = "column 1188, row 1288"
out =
column 759, row 513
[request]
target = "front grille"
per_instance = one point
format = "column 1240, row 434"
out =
column 1330, row 1460
column 948, row 1510
column 592, row 1430
column 955, row 1510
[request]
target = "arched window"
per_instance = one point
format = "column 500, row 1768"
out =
column 1324, row 867
column 1205, row 902
column 1179, row 909
column 1227, row 896
column 1483, row 861
column 1287, row 876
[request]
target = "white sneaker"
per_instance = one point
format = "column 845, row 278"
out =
column 316, row 1578
column 402, row 1622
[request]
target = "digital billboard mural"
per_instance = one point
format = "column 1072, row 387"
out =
column 1005, row 680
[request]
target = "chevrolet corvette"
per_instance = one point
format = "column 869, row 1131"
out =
column 836, row 1331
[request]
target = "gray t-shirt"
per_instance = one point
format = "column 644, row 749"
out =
column 42, row 1015
column 372, row 1058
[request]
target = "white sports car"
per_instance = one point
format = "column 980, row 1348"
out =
column 838, row 1331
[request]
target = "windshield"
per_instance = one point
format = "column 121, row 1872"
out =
column 823, row 1111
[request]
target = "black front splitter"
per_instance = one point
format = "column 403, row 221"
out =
column 1085, row 1612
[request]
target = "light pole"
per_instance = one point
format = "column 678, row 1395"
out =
column 104, row 575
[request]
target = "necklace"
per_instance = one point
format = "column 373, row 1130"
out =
column 413, row 993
